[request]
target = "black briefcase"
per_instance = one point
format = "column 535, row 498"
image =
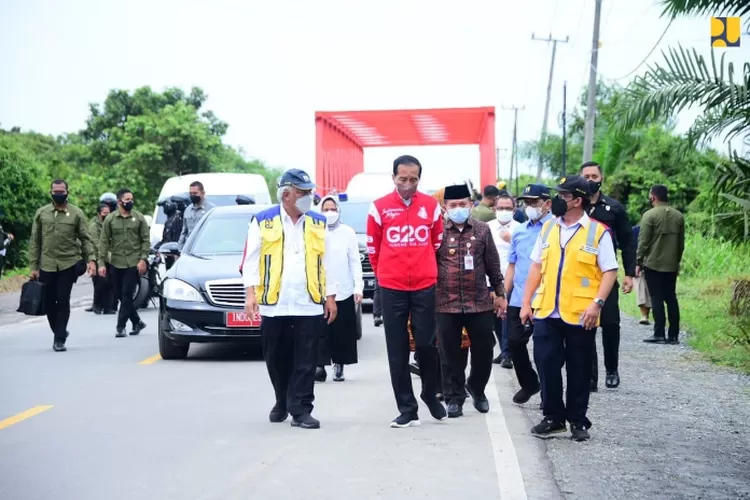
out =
column 32, row 299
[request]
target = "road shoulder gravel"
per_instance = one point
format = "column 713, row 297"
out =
column 674, row 429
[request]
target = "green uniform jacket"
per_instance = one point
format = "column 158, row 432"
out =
column 126, row 237
column 95, row 228
column 661, row 240
column 483, row 213
column 59, row 239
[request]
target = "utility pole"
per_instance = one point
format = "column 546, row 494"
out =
column 565, row 130
column 498, row 157
column 588, row 138
column 554, row 41
column 514, row 147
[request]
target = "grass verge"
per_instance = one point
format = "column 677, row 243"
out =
column 704, row 289
column 13, row 280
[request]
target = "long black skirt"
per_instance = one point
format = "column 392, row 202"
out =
column 338, row 341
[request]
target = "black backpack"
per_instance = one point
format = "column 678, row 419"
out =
column 32, row 299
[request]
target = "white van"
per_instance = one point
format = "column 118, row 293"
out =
column 221, row 190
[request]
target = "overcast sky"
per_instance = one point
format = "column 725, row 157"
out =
column 268, row 66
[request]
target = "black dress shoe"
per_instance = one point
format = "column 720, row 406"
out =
column 278, row 414
column 655, row 340
column 593, row 387
column 498, row 359
column 414, row 369
column 613, row 380
column 338, row 373
column 138, row 328
column 121, row 333
column 320, row 374
column 58, row 346
column 89, row 309
column 480, row 401
column 377, row 321
column 523, row 396
column 109, row 312
column 506, row 363
column 672, row 341
column 98, row 310
column 305, row 421
column 455, row 410
column 437, row 410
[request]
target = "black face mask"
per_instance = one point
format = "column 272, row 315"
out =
column 195, row 199
column 559, row 206
column 128, row 206
column 59, row 198
column 597, row 186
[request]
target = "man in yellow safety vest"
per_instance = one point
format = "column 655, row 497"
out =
column 573, row 270
column 285, row 270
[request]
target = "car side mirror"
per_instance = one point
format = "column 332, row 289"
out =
column 171, row 248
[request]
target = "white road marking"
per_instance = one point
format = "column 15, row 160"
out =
column 509, row 477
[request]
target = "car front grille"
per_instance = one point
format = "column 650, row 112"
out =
column 229, row 293
column 365, row 259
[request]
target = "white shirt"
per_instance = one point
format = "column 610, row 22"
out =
column 503, row 247
column 342, row 246
column 294, row 299
column 606, row 259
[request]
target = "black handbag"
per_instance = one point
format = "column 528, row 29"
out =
column 32, row 299
column 79, row 269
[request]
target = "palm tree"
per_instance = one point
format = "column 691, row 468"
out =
column 720, row 90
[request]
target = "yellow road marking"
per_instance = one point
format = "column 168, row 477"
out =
column 150, row 360
column 23, row 416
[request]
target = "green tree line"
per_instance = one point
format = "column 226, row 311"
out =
column 133, row 139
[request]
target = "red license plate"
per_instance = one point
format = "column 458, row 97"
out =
column 242, row 320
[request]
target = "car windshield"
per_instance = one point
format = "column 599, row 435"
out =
column 354, row 214
column 219, row 200
column 224, row 234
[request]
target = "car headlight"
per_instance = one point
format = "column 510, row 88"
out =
column 175, row 289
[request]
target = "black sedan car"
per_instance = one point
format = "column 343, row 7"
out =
column 354, row 213
column 202, row 296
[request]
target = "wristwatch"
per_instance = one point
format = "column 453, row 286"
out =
column 599, row 302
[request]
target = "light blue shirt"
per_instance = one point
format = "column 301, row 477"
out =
column 521, row 244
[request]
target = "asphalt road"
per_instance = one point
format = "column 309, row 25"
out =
column 109, row 419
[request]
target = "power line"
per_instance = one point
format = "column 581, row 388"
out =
column 647, row 55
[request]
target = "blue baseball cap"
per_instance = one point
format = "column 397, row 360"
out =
column 297, row 178
column 534, row 192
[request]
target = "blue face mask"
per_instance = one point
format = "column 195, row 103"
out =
column 458, row 215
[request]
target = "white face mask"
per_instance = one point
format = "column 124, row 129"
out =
column 331, row 216
column 533, row 213
column 504, row 216
column 304, row 203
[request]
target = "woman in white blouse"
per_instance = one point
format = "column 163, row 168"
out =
column 339, row 344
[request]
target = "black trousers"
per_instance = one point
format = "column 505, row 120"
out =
column 290, row 348
column 610, row 325
column 103, row 295
column 377, row 303
column 663, row 289
column 479, row 326
column 124, row 282
column 556, row 344
column 397, row 306
column 518, row 340
column 57, row 288
column 338, row 341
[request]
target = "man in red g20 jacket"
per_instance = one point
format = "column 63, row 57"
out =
column 404, row 230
